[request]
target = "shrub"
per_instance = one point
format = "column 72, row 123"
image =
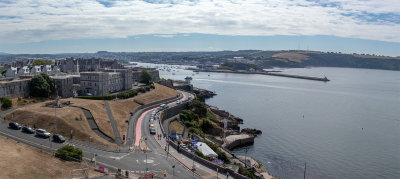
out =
column 188, row 115
column 5, row 102
column 105, row 97
column 211, row 116
column 245, row 172
column 198, row 153
column 69, row 153
column 206, row 125
column 127, row 94
column 141, row 90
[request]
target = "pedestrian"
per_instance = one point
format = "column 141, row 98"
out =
column 165, row 173
column 165, row 148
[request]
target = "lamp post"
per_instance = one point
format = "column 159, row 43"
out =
column 173, row 171
column 146, row 163
column 245, row 158
column 193, row 163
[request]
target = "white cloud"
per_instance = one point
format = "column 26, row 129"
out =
column 31, row 21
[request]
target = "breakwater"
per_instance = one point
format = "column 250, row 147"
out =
column 271, row 73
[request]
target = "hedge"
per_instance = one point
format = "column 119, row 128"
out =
column 5, row 102
column 105, row 97
column 127, row 94
column 69, row 153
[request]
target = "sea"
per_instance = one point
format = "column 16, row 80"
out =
column 348, row 127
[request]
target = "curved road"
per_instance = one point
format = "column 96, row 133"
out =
column 157, row 160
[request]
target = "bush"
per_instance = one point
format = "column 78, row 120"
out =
column 211, row 116
column 127, row 94
column 69, row 153
column 206, row 125
column 187, row 115
column 198, row 153
column 147, row 88
column 5, row 102
column 141, row 90
column 198, row 107
column 106, row 97
column 245, row 172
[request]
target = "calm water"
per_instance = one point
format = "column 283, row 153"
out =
column 350, row 128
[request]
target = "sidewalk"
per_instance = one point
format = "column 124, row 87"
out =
column 201, row 171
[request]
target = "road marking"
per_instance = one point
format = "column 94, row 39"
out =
column 148, row 161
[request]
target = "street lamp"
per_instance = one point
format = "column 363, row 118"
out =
column 173, row 171
column 245, row 158
column 146, row 164
column 193, row 163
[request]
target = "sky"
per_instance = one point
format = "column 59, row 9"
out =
column 54, row 26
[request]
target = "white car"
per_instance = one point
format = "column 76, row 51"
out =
column 42, row 133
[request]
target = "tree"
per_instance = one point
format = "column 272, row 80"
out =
column 39, row 86
column 49, row 81
column 206, row 125
column 198, row 107
column 3, row 73
column 145, row 77
column 69, row 153
column 42, row 62
column 5, row 102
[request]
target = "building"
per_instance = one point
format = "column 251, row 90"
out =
column 76, row 65
column 101, row 83
column 15, row 72
column 67, row 85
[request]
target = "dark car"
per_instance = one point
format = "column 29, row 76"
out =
column 14, row 125
column 153, row 131
column 58, row 138
column 28, row 130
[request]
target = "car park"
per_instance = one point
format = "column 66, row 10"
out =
column 58, row 138
column 28, row 130
column 14, row 125
column 42, row 133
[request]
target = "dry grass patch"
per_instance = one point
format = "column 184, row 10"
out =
column 22, row 161
column 121, row 111
column 98, row 111
column 43, row 117
column 292, row 56
column 160, row 93
column 177, row 126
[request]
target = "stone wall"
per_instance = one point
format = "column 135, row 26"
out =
column 14, row 88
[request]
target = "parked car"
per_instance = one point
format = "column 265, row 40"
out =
column 153, row 131
column 58, row 138
column 178, row 102
column 151, row 126
column 28, row 130
column 42, row 133
column 14, row 125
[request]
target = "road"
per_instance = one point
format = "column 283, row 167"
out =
column 135, row 161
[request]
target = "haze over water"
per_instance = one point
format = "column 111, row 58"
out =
column 350, row 128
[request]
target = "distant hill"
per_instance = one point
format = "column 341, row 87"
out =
column 263, row 59
column 2, row 53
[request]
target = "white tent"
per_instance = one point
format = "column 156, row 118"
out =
column 206, row 150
